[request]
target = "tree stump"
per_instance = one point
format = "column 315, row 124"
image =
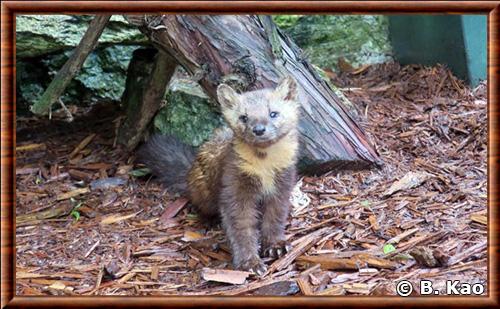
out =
column 250, row 52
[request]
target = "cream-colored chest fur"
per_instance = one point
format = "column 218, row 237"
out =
column 277, row 157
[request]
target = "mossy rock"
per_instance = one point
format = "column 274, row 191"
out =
column 188, row 113
column 102, row 76
column 359, row 39
column 38, row 35
column 45, row 42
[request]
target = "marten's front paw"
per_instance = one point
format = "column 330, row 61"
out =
column 254, row 265
column 276, row 250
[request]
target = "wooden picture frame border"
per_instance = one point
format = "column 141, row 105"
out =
column 10, row 8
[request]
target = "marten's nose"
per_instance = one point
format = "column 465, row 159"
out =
column 259, row 130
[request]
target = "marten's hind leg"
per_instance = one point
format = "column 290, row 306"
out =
column 203, row 193
column 208, row 213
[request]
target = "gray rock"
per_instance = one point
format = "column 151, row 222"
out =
column 281, row 288
column 38, row 35
column 107, row 183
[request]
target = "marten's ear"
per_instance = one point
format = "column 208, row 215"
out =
column 226, row 96
column 287, row 89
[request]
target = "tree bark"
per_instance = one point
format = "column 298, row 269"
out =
column 72, row 66
column 250, row 52
column 148, row 75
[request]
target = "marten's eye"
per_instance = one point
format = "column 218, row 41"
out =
column 273, row 114
column 243, row 118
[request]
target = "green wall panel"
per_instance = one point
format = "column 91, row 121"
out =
column 458, row 41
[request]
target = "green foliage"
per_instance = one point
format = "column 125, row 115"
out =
column 388, row 248
column 365, row 203
column 74, row 212
column 286, row 21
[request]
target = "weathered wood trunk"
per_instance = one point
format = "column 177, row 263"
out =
column 249, row 53
column 144, row 90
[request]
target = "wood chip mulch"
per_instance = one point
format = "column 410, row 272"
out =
column 87, row 224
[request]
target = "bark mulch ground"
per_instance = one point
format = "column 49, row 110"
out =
column 88, row 223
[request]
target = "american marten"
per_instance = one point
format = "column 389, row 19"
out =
column 244, row 174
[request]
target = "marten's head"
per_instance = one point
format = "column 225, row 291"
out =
column 261, row 117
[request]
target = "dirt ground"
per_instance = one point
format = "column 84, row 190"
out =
column 88, row 223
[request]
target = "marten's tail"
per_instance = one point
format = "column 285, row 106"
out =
column 169, row 159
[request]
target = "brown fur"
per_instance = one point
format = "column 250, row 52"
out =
column 246, row 178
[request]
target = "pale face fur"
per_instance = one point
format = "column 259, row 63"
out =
column 275, row 148
column 261, row 118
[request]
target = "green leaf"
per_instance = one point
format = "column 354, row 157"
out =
column 365, row 203
column 388, row 248
column 75, row 214
column 140, row 172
